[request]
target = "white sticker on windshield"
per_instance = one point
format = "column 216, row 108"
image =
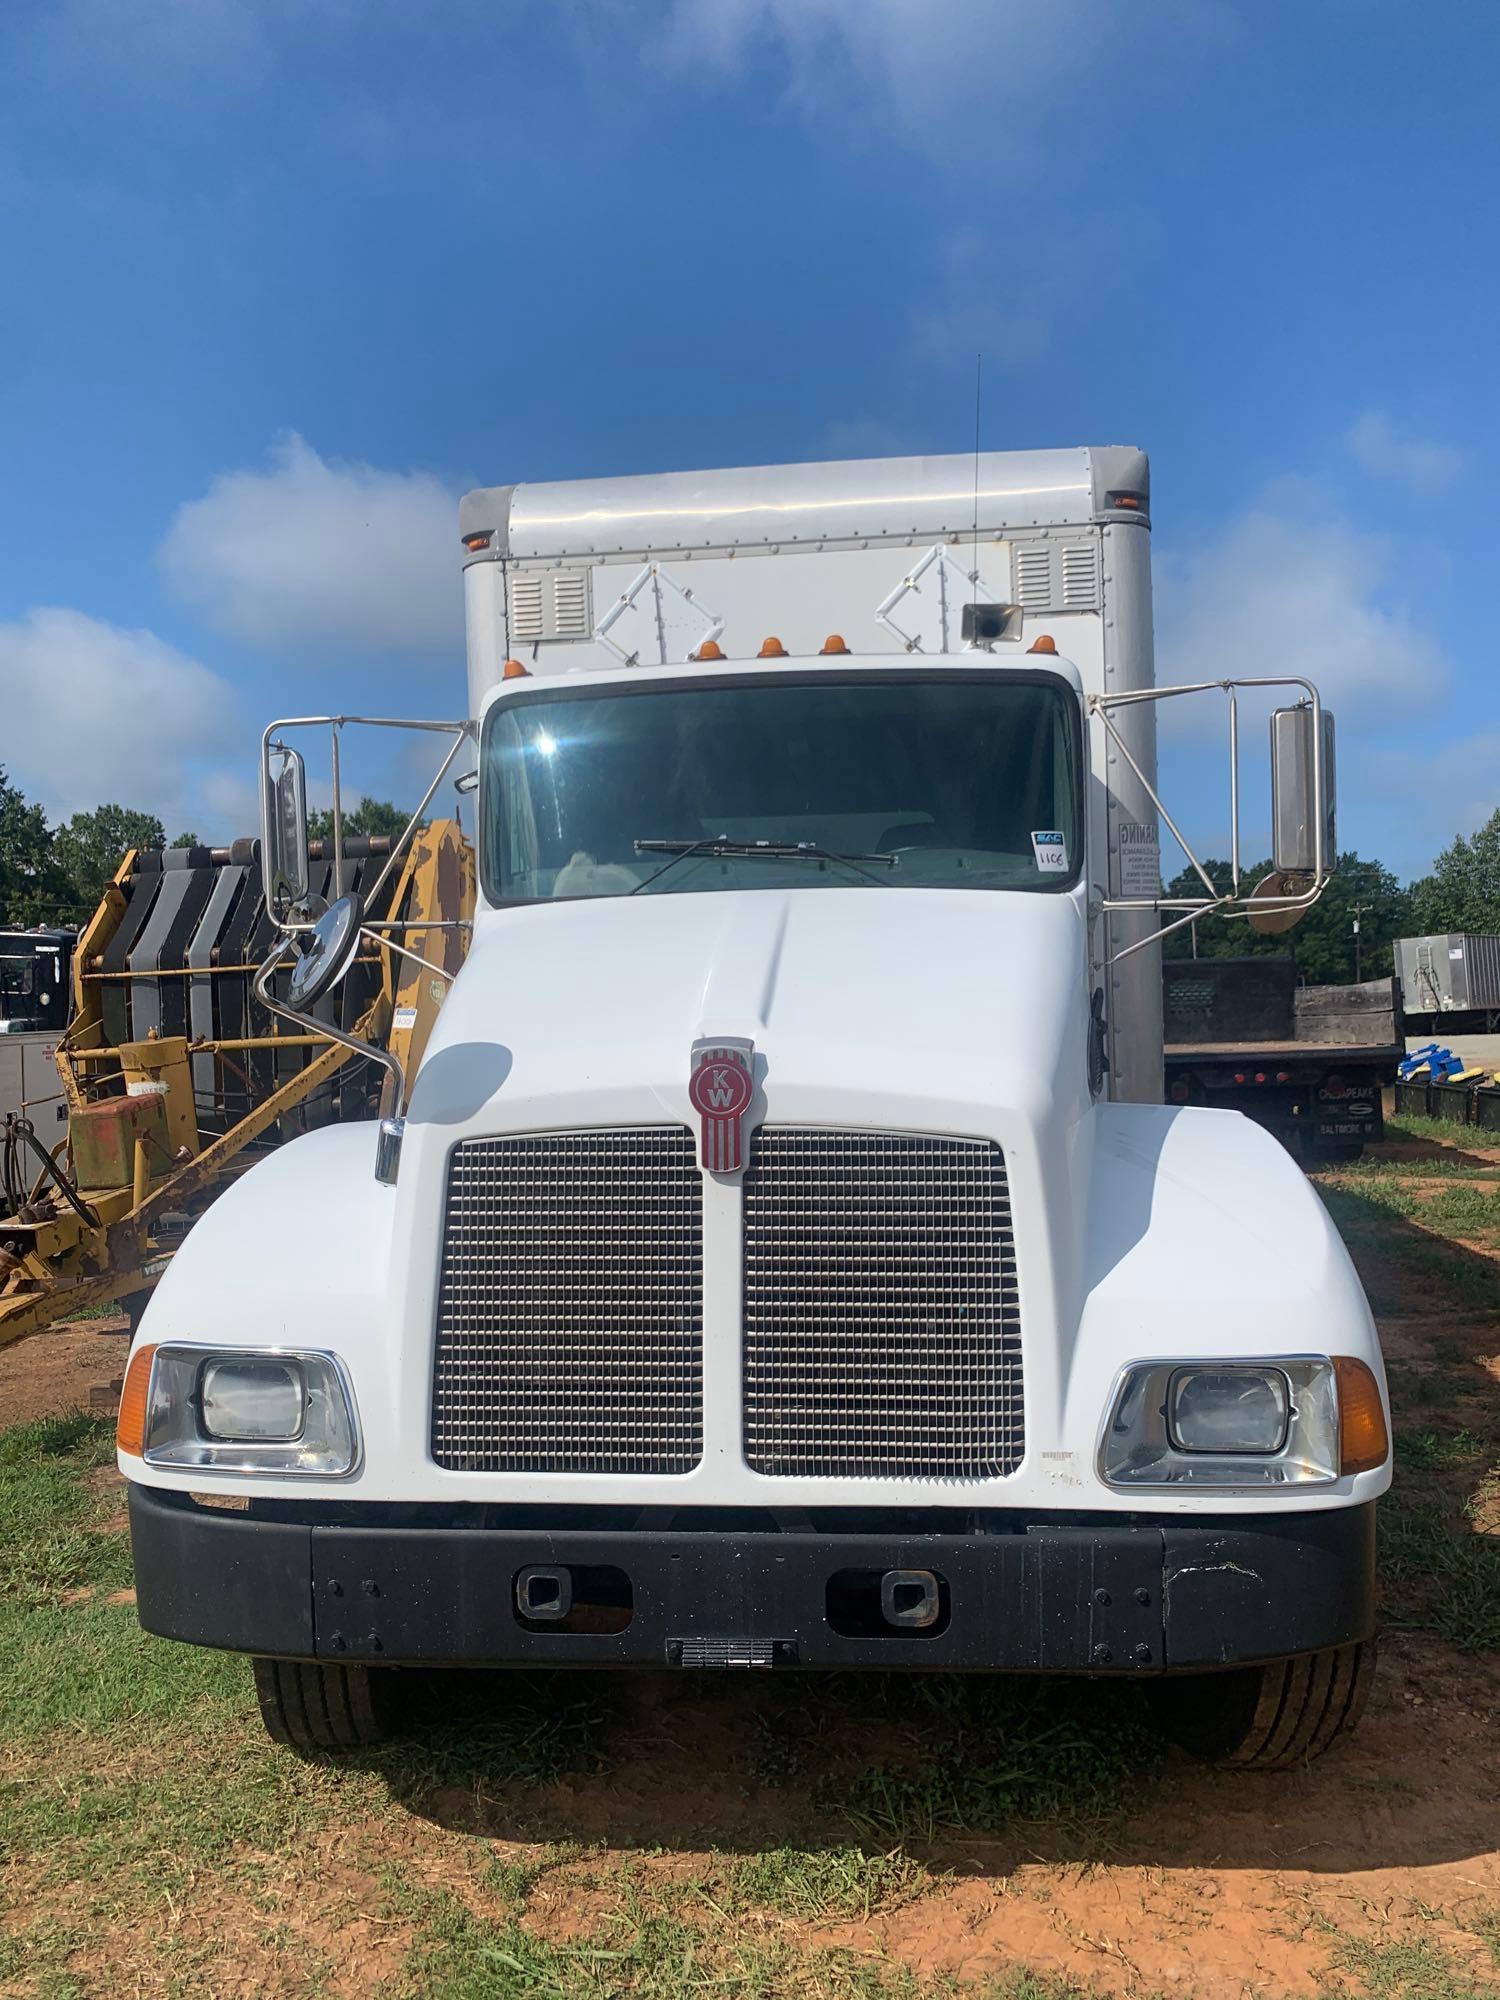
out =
column 1051, row 851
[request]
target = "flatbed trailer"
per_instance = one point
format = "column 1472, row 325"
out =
column 1324, row 1099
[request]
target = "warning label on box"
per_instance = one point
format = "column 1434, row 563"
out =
column 1137, row 859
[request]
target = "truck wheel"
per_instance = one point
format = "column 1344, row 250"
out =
column 1272, row 1717
column 315, row 1708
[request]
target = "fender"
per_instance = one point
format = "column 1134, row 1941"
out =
column 1205, row 1239
column 297, row 1252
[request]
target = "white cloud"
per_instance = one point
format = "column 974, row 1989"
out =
column 1293, row 586
column 1427, row 796
column 307, row 553
column 955, row 76
column 97, row 714
column 1005, row 338
column 160, row 43
column 1424, row 467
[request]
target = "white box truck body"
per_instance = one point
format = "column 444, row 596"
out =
column 786, row 1259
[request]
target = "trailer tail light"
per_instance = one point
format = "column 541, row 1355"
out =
column 1260, row 1076
column 1240, row 1076
column 514, row 671
column 130, row 1431
column 1364, row 1441
column 1283, row 1076
column 772, row 649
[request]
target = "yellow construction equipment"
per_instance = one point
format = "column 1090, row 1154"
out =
column 174, row 1076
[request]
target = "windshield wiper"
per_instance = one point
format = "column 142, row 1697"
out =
column 749, row 850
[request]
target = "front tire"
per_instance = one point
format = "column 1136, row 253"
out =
column 315, row 1708
column 1271, row 1717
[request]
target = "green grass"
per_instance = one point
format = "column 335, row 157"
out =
column 1468, row 1210
column 1409, row 1971
column 1451, row 1279
column 827, row 1882
column 1436, row 1131
column 460, row 1954
column 1385, row 1190
column 1438, row 1574
column 1466, row 1207
column 995, row 1754
column 1430, row 1451
column 134, row 1772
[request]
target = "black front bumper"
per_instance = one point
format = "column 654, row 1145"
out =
column 1141, row 1595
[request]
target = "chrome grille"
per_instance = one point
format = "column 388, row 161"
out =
column 882, row 1334
column 570, row 1319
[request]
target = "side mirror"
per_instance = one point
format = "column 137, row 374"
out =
column 283, row 831
column 327, row 954
column 1302, row 770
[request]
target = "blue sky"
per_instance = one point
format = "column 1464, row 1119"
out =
column 284, row 276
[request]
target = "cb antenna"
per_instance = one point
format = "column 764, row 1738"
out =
column 978, row 382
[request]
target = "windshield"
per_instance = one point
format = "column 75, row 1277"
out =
column 964, row 780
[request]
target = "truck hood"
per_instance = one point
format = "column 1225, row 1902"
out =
column 927, row 1008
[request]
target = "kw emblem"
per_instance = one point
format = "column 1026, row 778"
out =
column 720, row 1089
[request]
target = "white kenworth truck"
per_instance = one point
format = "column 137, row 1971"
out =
column 781, row 1257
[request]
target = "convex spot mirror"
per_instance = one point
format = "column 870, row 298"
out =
column 1298, row 773
column 283, row 843
column 327, row 953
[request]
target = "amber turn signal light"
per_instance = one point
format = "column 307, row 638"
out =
column 130, row 1431
column 1364, row 1441
column 514, row 671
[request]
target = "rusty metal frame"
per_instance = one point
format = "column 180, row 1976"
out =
column 70, row 1266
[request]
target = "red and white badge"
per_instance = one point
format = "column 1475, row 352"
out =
column 720, row 1087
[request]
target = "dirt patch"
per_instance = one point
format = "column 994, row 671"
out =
column 279, row 1927
column 51, row 1374
column 1462, row 1149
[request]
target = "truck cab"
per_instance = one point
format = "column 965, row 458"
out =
column 782, row 1256
column 34, row 981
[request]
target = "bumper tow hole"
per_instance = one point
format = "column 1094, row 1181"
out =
column 887, row 1604
column 593, row 1598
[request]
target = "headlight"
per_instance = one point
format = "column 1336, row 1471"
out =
column 253, row 1402
column 1228, row 1409
column 1224, row 1423
column 217, row 1409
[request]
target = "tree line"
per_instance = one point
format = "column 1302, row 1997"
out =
column 1462, row 893
column 56, row 875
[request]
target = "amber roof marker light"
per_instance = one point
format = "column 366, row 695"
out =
column 709, row 650
column 771, row 649
column 1045, row 644
column 834, row 643
column 513, row 670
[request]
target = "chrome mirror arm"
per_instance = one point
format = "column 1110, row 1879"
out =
column 393, row 1085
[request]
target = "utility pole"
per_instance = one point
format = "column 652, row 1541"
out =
column 1357, row 910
